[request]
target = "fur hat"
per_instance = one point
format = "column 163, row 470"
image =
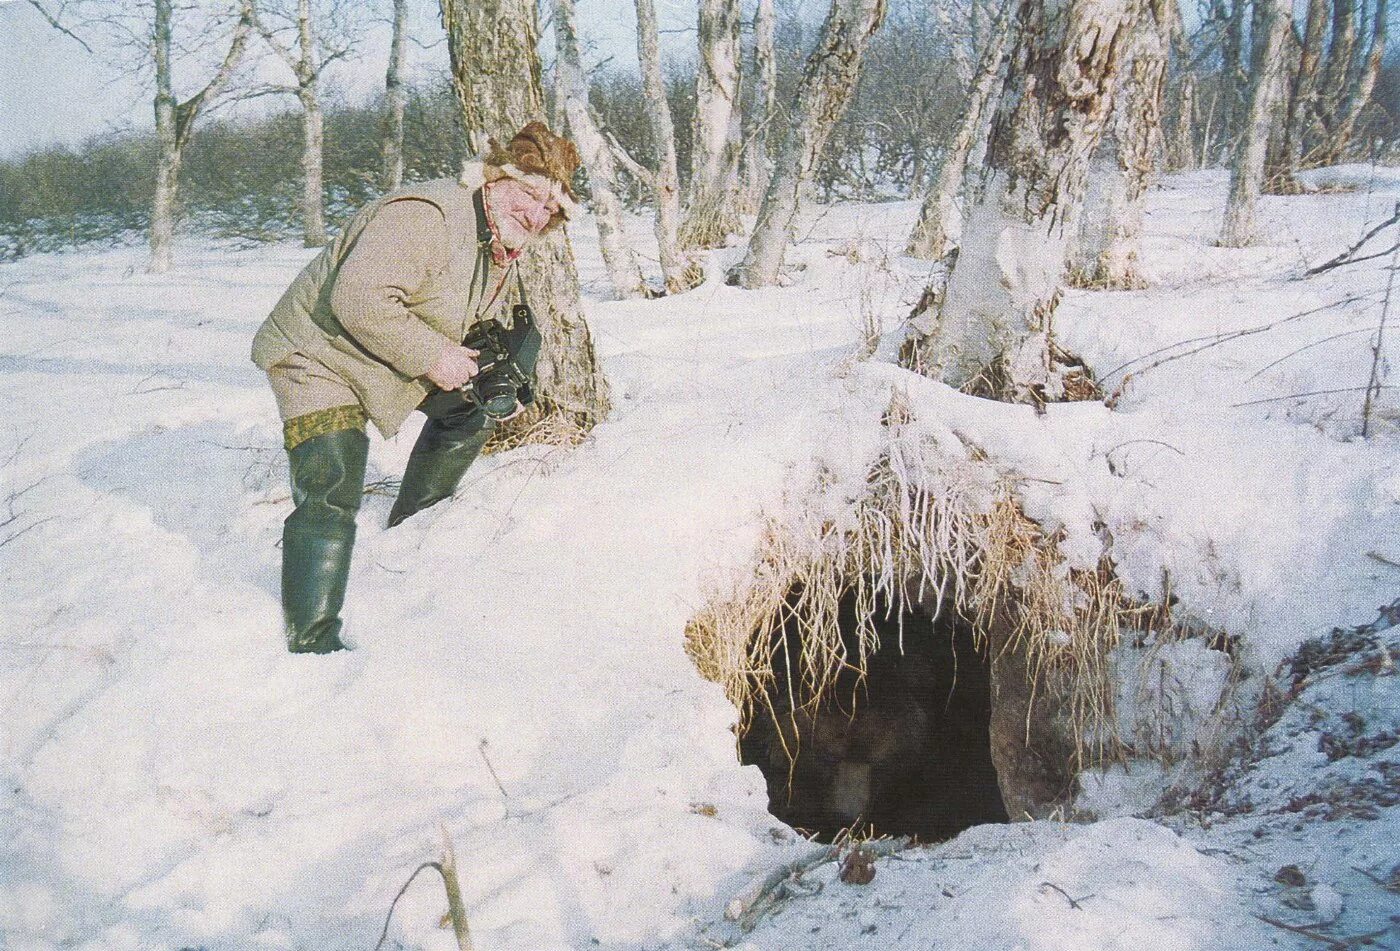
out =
column 535, row 150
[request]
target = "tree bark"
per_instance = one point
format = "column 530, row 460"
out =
column 1110, row 231
column 496, row 78
column 828, row 82
column 1368, row 71
column 940, row 218
column 167, row 148
column 757, row 166
column 665, row 180
column 618, row 259
column 711, row 214
column 395, row 99
column 304, row 64
column 1247, row 172
column 313, row 214
column 1183, row 147
column 993, row 334
column 175, row 121
column 1181, row 154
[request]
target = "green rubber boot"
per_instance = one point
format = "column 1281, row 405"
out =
column 328, row 479
column 446, row 447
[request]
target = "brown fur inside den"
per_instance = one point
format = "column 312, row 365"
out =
column 932, row 740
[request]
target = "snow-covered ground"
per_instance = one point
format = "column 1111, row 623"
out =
column 172, row 778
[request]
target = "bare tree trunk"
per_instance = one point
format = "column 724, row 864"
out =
column 828, row 83
column 167, row 146
column 395, row 99
column 1303, row 95
column 757, row 167
column 598, row 161
column 496, row 77
column 313, row 214
column 1181, row 154
column 711, row 214
column 1368, row 71
column 665, row 181
column 175, row 122
column 940, row 218
column 993, row 334
column 1111, row 223
column 1236, row 69
column 1183, row 148
column 1247, row 172
column 303, row 62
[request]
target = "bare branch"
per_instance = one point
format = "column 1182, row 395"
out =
column 53, row 21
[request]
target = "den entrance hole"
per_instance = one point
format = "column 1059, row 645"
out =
column 905, row 750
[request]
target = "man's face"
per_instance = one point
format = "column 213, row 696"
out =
column 522, row 208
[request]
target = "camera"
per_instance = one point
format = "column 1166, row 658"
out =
column 501, row 383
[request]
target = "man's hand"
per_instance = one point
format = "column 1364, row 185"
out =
column 454, row 368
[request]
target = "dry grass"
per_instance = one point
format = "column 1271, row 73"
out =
column 932, row 529
column 709, row 221
column 547, row 426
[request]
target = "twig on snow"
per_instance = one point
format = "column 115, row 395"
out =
column 1341, row 944
column 456, row 910
column 1373, row 383
column 1073, row 902
column 1207, row 341
column 1346, row 257
column 766, row 892
column 1296, row 396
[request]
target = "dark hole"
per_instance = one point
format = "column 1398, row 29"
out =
column 905, row 751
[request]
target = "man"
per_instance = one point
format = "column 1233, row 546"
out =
column 370, row 329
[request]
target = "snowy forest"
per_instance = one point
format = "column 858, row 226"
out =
column 953, row 502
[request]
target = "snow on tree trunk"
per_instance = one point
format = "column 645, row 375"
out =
column 598, row 161
column 710, row 214
column 496, row 77
column 665, row 181
column 828, row 83
column 1106, row 253
column 1247, row 172
column 757, row 167
column 395, row 99
column 940, row 218
column 993, row 332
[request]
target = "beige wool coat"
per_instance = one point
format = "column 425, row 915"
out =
column 377, row 307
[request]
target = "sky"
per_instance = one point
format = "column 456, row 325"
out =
column 54, row 92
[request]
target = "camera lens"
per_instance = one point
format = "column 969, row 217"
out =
column 498, row 397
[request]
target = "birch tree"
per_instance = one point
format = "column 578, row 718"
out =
column 395, row 100
column 993, row 332
column 307, row 39
column 148, row 49
column 492, row 46
column 175, row 120
column 710, row 213
column 1265, row 98
column 828, row 82
column 1106, row 253
column 598, row 161
column 664, row 180
column 757, row 168
column 1362, row 84
column 940, row 217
